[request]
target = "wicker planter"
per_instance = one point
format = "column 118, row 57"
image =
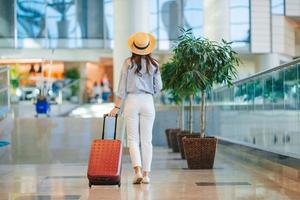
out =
column 181, row 135
column 167, row 132
column 173, row 140
column 200, row 152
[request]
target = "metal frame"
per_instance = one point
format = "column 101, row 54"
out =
column 15, row 25
column 271, row 27
column 250, row 26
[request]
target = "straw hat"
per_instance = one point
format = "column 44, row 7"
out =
column 141, row 43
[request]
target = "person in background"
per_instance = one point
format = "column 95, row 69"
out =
column 97, row 92
column 32, row 69
column 106, row 91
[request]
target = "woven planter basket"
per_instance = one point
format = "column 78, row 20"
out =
column 167, row 132
column 200, row 152
column 173, row 140
column 181, row 135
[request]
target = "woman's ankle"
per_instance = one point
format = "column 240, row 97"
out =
column 145, row 173
column 137, row 170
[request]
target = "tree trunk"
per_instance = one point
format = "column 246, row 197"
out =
column 182, row 114
column 191, row 114
column 178, row 117
column 202, row 115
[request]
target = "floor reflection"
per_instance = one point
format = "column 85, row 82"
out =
column 48, row 157
column 142, row 192
column 51, row 140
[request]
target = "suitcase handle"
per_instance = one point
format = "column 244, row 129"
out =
column 115, row 131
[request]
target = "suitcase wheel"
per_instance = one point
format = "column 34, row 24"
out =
column 90, row 185
column 119, row 184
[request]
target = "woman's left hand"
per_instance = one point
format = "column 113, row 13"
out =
column 113, row 112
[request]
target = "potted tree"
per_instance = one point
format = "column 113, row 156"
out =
column 171, row 132
column 171, row 76
column 201, row 64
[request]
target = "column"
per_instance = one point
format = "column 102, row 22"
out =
column 129, row 16
column 260, row 26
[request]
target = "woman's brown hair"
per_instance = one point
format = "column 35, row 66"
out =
column 137, row 59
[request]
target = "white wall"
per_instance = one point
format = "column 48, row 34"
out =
column 255, row 63
column 283, row 36
column 267, row 61
column 292, row 8
column 260, row 26
column 289, row 38
column 247, row 66
column 297, row 38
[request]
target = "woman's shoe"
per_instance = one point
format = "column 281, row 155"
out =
column 138, row 178
column 146, row 180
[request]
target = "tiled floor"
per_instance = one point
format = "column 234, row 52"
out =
column 47, row 160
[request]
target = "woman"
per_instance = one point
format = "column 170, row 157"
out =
column 140, row 80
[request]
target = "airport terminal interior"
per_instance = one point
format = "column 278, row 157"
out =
column 60, row 63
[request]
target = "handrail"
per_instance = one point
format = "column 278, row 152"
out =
column 296, row 61
column 269, row 70
column 74, row 82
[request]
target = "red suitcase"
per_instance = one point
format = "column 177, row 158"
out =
column 104, row 166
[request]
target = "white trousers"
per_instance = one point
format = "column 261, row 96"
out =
column 139, row 116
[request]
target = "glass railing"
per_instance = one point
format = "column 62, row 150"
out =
column 70, row 92
column 4, row 92
column 262, row 110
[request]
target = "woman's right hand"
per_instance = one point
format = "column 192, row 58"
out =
column 113, row 112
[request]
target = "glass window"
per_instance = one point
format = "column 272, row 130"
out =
column 193, row 16
column 258, row 94
column 274, row 123
column 88, row 12
column 108, row 16
column 169, row 19
column 291, row 83
column 225, row 98
column 166, row 16
column 61, row 19
column 278, row 7
column 241, row 96
column 238, row 96
column 7, row 19
column 250, row 95
column 30, row 18
column 267, row 93
column 168, row 22
column 240, row 22
column 244, row 99
column 7, row 29
column 278, row 90
column 154, row 18
column 64, row 23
